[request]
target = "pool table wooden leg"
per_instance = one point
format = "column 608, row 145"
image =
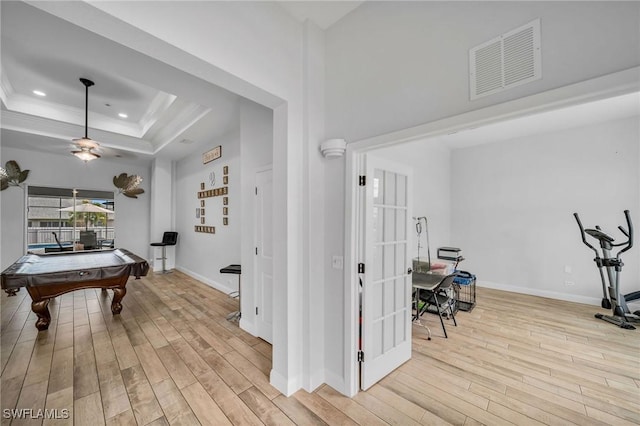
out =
column 42, row 311
column 118, row 294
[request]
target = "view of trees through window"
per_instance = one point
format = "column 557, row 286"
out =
column 68, row 219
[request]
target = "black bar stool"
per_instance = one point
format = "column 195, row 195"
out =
column 168, row 239
column 234, row 269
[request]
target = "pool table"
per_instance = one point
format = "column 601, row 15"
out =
column 49, row 275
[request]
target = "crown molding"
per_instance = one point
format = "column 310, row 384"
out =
column 23, row 104
column 6, row 89
column 31, row 124
column 181, row 122
column 159, row 105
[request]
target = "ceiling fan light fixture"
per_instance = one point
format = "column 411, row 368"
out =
column 85, row 154
column 86, row 145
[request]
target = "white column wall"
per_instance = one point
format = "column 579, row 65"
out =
column 161, row 218
column 256, row 153
column 314, row 345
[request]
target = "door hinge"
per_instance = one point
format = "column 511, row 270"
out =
column 362, row 181
column 256, row 251
column 256, row 310
column 361, row 268
column 360, row 356
column 256, row 190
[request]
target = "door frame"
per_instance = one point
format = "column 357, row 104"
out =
column 256, row 287
column 611, row 85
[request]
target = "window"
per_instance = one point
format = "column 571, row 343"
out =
column 53, row 220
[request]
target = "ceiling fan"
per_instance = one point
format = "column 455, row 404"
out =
column 86, row 146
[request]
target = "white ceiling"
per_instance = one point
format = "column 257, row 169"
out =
column 165, row 107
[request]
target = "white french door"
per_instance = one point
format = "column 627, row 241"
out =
column 264, row 254
column 386, row 290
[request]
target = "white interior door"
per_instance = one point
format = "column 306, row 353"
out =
column 264, row 254
column 386, row 290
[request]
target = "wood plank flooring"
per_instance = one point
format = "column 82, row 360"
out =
column 172, row 358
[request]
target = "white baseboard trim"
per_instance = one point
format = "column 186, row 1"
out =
column 316, row 380
column 207, row 281
column 542, row 293
column 156, row 266
column 287, row 386
column 249, row 327
column 336, row 382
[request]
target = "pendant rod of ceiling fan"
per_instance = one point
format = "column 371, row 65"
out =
column 87, row 83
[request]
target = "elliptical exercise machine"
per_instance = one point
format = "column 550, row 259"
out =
column 612, row 298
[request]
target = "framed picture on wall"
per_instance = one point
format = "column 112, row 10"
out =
column 225, row 221
column 225, row 200
column 212, row 154
column 197, row 213
column 202, row 220
column 225, row 170
column 201, row 203
column 225, row 211
column 225, row 180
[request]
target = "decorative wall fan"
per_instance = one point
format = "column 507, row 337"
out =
column 128, row 185
column 11, row 175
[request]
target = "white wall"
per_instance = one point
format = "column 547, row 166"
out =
column 201, row 255
column 512, row 206
column 66, row 171
column 314, row 344
column 256, row 152
column 334, row 281
column 393, row 65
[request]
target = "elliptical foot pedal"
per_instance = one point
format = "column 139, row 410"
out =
column 627, row 326
column 599, row 316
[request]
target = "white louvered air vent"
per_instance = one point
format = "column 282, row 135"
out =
column 506, row 61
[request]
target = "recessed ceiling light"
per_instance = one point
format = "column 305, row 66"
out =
column 39, row 93
column 123, row 115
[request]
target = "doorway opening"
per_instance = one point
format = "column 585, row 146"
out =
column 601, row 88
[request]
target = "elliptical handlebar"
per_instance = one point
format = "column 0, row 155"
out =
column 584, row 237
column 628, row 233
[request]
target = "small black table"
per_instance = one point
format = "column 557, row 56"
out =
column 234, row 269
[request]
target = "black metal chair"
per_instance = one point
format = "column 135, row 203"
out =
column 169, row 238
column 89, row 240
column 442, row 298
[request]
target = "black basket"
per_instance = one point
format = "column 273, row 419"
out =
column 466, row 284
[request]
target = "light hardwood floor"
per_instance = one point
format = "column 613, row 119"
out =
column 172, row 358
